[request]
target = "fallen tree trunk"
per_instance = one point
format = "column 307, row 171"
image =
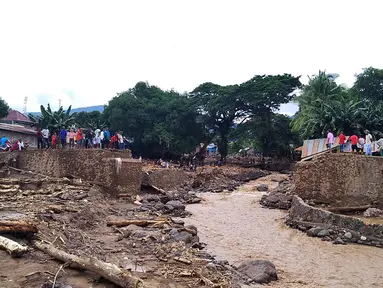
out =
column 142, row 223
column 17, row 227
column 109, row 271
column 348, row 209
column 14, row 248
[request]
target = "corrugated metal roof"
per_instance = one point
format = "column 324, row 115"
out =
column 14, row 115
column 16, row 128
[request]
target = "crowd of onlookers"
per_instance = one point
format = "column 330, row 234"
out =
column 360, row 143
column 80, row 138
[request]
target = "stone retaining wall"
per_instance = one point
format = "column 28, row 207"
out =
column 341, row 180
column 166, row 179
column 311, row 219
column 91, row 164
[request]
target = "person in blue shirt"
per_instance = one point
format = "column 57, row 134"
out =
column 4, row 140
column 63, row 134
column 106, row 137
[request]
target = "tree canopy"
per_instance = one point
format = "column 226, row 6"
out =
column 323, row 105
column 4, row 108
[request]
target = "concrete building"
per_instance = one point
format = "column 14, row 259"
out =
column 14, row 132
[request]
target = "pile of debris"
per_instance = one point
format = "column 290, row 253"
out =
column 219, row 179
column 281, row 196
column 51, row 224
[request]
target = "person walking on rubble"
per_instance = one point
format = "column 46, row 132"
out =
column 330, row 140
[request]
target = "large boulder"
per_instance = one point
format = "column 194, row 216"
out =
column 259, row 271
column 373, row 212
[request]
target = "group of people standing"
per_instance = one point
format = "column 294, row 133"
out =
column 80, row 138
column 359, row 143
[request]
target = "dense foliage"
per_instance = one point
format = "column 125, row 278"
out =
column 167, row 124
column 4, row 108
column 54, row 120
column 323, row 105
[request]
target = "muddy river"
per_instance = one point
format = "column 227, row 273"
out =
column 237, row 228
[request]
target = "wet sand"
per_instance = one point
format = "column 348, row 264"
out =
column 237, row 228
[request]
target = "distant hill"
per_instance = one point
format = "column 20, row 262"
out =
column 89, row 109
column 81, row 109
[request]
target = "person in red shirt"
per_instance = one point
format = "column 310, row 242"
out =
column 354, row 143
column 79, row 138
column 342, row 141
column 113, row 141
column 54, row 141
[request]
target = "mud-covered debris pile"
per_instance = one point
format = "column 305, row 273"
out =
column 77, row 220
column 281, row 196
column 218, row 179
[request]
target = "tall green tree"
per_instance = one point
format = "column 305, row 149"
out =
column 369, row 85
column 160, row 123
column 263, row 96
column 283, row 140
column 4, row 108
column 219, row 106
column 94, row 120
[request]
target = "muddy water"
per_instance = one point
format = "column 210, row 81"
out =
column 237, row 228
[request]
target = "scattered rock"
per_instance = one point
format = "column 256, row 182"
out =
column 323, row 233
column 313, row 232
column 159, row 206
column 259, row 271
column 263, row 187
column 348, row 235
column 211, row 266
column 181, row 236
column 338, row 240
column 176, row 204
column 178, row 221
column 373, row 212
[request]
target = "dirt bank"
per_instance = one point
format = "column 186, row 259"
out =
column 240, row 229
column 74, row 217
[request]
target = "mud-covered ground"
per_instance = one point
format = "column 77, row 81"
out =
column 73, row 216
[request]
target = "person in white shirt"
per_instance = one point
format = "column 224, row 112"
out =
column 45, row 133
column 368, row 143
column 21, row 144
column 101, row 138
column 97, row 139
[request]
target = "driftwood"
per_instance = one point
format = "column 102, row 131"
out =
column 348, row 209
column 108, row 271
column 14, row 248
column 142, row 223
column 17, row 227
column 162, row 191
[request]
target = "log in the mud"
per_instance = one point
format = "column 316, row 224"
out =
column 142, row 223
column 17, row 227
column 109, row 271
column 13, row 248
column 348, row 209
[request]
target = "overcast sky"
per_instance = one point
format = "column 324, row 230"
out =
column 84, row 52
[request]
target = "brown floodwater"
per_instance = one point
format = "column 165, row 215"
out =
column 236, row 228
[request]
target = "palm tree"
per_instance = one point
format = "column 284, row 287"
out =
column 54, row 120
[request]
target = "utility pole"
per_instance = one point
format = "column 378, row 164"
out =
column 59, row 103
column 25, row 105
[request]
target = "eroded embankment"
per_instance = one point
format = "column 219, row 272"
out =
column 236, row 228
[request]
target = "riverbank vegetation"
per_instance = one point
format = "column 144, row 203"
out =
column 245, row 115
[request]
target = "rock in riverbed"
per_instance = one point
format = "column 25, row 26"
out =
column 259, row 271
column 373, row 212
column 263, row 187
